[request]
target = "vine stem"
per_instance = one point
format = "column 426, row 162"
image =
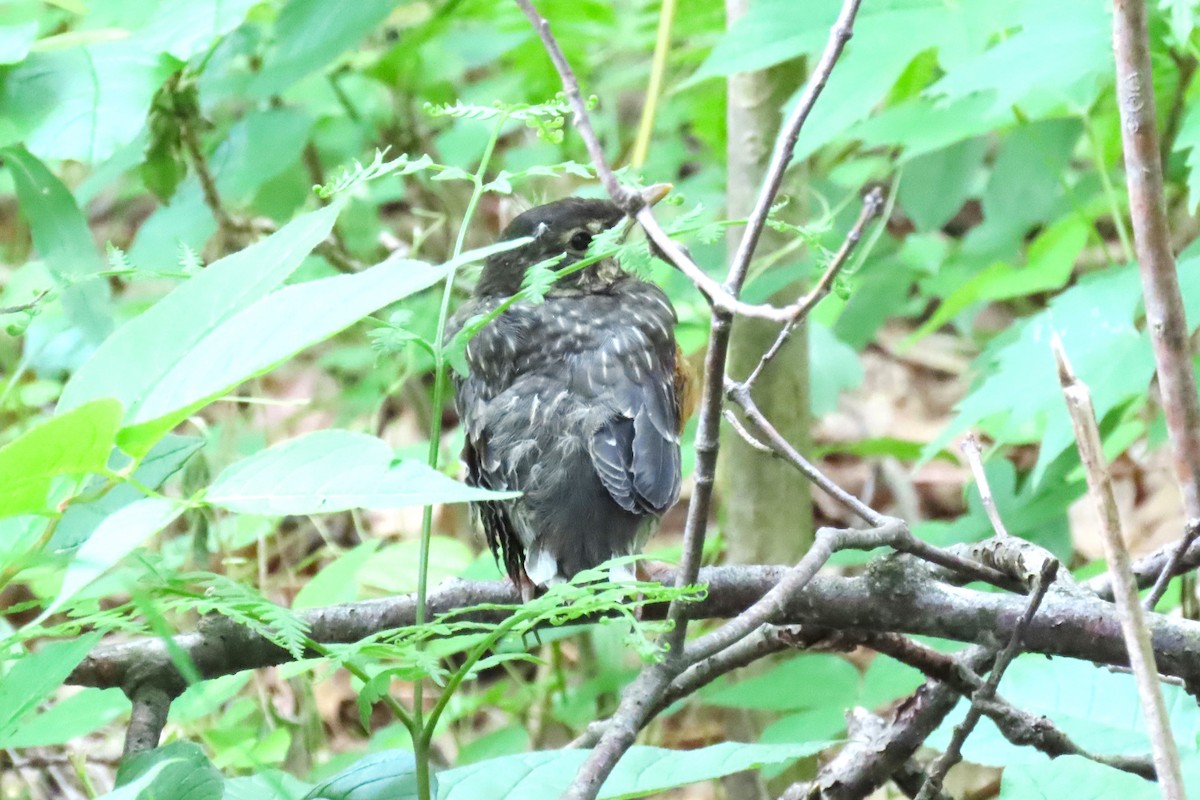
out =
column 421, row 736
column 658, row 68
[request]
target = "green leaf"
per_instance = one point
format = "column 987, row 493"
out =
column 641, row 772
column 116, row 537
column 83, row 103
column 1098, row 709
column 936, row 184
column 62, row 238
column 333, row 470
column 187, row 774
column 34, row 677
column 1019, row 400
column 833, row 366
column 70, row 444
column 134, row 361
column 387, row 775
column 309, row 37
column 1057, row 60
column 811, row 681
column 1051, row 261
column 15, row 41
column 186, row 28
column 1075, row 777
column 266, row 783
column 336, row 582
column 76, row 716
column 81, row 519
column 1189, row 139
column 280, row 325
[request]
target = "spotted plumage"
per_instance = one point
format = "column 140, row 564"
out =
column 573, row 401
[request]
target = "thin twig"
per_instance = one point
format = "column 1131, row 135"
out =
column 953, row 753
column 747, row 437
column 1165, row 317
column 17, row 309
column 740, row 395
column 873, row 204
column 1129, row 611
column 974, row 454
column 1172, row 568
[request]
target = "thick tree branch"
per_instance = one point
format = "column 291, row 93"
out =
column 892, row 596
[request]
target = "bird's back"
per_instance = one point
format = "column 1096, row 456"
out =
column 573, row 403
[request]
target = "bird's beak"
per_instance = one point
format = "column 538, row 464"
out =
column 651, row 195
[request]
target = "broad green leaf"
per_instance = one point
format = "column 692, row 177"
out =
column 1189, row 139
column 34, row 678
column 15, row 41
column 1025, row 187
column 337, row 581
column 308, row 37
column 132, row 362
column 83, row 103
column 936, row 184
column 1075, row 777
column 1058, row 60
column 641, row 772
column 62, row 239
column 333, row 470
column 260, row 146
column 265, row 783
column 116, row 537
column 135, row 788
column 834, row 368
column 1082, row 779
column 393, row 569
column 185, row 28
column 1051, row 261
column 81, row 519
column 279, row 325
column 1098, row 709
column 1019, row 400
column 76, row 716
column 387, row 775
column 188, row 773
column 803, row 681
column 70, row 444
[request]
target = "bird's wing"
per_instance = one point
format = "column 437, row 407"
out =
column 635, row 444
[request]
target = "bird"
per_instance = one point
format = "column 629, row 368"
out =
column 576, row 402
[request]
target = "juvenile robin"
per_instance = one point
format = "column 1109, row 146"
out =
column 576, row 402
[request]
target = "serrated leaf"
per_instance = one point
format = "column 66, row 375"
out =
column 334, row 470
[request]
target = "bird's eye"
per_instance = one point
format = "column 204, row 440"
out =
column 580, row 241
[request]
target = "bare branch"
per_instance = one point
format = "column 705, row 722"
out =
column 1129, row 611
column 32, row 304
column 1165, row 317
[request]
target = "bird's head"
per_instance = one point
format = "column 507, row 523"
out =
column 563, row 228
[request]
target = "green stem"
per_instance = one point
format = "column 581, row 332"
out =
column 421, row 742
column 1110, row 193
column 658, row 67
